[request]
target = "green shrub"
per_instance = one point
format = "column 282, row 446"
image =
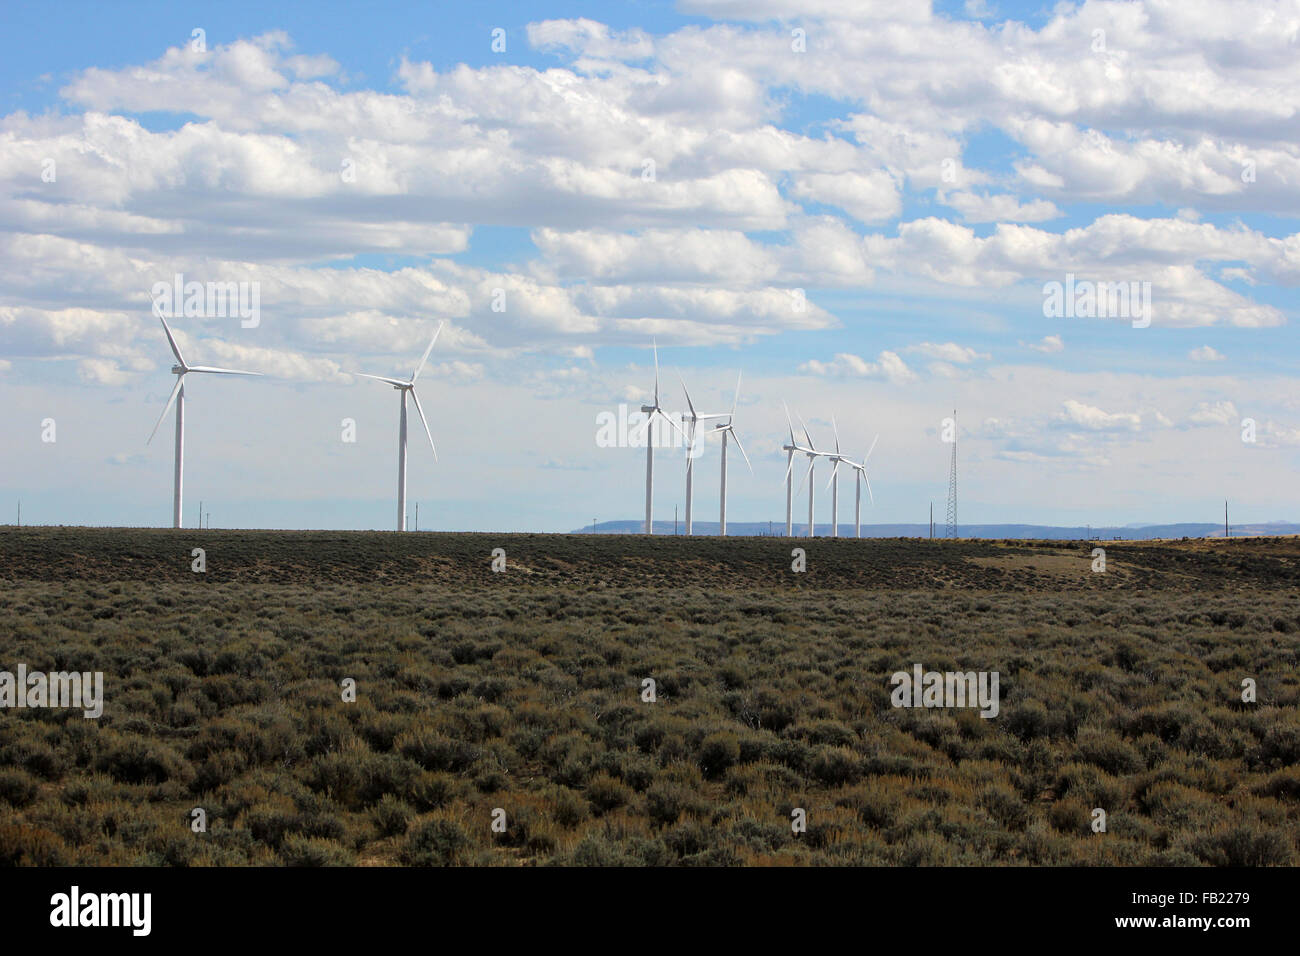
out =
column 23, row 845
column 606, row 793
column 134, row 759
column 836, row 766
column 666, row 802
column 391, row 816
column 568, row 807
column 433, row 751
column 1245, row 845
column 1004, row 805
column 315, row 851
column 439, row 841
column 717, row 753
column 17, row 787
column 1109, row 752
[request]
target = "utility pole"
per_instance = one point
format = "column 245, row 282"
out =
column 209, row 520
column 931, row 520
column 417, row 516
column 1225, row 517
column 674, row 519
column 200, row 514
column 20, row 512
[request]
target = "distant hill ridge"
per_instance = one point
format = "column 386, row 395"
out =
column 1028, row 531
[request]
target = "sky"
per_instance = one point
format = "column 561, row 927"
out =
column 864, row 207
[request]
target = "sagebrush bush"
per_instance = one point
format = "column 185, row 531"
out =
column 17, row 787
column 392, row 816
column 315, row 851
column 438, row 841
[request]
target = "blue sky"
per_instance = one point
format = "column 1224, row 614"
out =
column 917, row 176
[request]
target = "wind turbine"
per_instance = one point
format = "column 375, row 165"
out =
column 790, row 450
column 693, row 418
column 180, row 370
column 407, row 388
column 729, row 429
column 834, row 483
column 861, row 476
column 813, row 454
column 650, row 412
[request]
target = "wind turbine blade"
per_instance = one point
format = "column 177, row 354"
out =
column 669, row 419
column 171, row 400
column 836, row 430
column 806, row 435
column 788, row 466
column 806, row 475
column 425, row 357
column 788, row 422
column 735, row 398
column 868, row 481
column 655, row 346
column 425, row 423
column 171, row 340
column 834, row 470
column 381, row 378
column 871, row 449
column 219, row 371
column 736, row 438
column 689, row 404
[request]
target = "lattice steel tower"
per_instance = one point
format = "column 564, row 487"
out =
column 951, row 531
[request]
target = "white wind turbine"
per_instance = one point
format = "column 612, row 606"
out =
column 180, row 370
column 813, row 454
column 693, row 419
column 790, row 450
column 650, row 412
column 861, row 476
column 407, row 388
column 729, row 429
column 834, row 483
